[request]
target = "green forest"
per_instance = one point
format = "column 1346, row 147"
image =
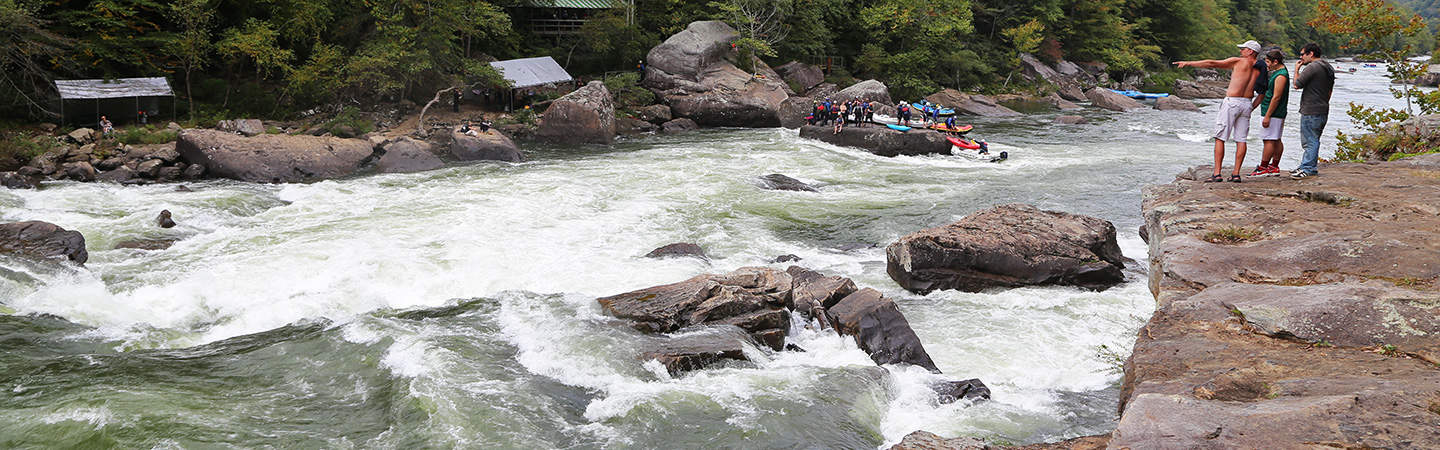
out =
column 274, row 58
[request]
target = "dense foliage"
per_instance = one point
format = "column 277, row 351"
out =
column 278, row 57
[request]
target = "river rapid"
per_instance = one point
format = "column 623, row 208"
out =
column 456, row 308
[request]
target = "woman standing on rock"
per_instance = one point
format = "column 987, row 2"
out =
column 840, row 119
column 1273, row 106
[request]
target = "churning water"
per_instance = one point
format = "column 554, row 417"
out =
column 457, row 307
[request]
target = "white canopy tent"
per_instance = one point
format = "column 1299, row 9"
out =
column 101, row 89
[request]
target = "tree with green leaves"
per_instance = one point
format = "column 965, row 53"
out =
column 26, row 44
column 191, row 46
column 761, row 24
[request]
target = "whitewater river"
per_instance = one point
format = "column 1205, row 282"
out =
column 457, row 307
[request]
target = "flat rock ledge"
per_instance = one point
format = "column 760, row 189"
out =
column 1008, row 246
column 1290, row 314
column 710, row 319
column 880, row 140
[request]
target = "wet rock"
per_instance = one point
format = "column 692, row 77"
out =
column 952, row 391
column 1071, row 120
column 785, row 258
column 692, row 70
column 803, row 75
column 584, row 116
column 880, row 140
column 146, row 244
column 1008, row 246
column 1108, row 99
column 407, row 155
column 656, row 114
column 780, row 182
column 193, row 172
column 164, row 220
column 865, row 90
column 925, row 440
column 14, row 180
column 488, row 146
column 678, row 249
column 80, row 171
column 879, row 329
column 272, row 158
column 680, row 125
column 183, row 188
column 1062, row 103
column 811, row 289
column 699, row 348
column 1173, row 103
column 119, row 175
column 43, row 240
column 168, row 173
column 751, row 298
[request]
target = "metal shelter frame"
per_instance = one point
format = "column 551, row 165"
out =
column 99, row 89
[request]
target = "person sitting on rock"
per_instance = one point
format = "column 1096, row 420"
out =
column 106, row 127
column 466, row 130
column 484, row 126
column 840, row 120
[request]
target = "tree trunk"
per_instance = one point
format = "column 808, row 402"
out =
column 420, row 121
column 188, row 95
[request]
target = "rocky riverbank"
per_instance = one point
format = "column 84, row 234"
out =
column 1291, row 314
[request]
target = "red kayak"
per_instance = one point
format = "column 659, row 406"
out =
column 963, row 143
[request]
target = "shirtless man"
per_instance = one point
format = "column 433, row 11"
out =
column 1233, row 124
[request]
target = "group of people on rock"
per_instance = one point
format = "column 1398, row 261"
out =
column 1264, row 84
column 857, row 111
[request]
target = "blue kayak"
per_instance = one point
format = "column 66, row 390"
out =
column 1138, row 94
column 898, row 127
column 942, row 112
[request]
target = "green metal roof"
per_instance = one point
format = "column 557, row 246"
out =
column 577, row 4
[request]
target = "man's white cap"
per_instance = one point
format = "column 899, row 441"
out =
column 1252, row 45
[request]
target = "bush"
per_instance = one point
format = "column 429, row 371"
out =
column 348, row 123
column 146, row 135
column 17, row 149
column 1164, row 81
column 626, row 90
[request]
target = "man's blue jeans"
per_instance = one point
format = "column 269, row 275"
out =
column 1311, row 126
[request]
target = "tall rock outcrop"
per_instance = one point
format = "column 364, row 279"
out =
column 585, row 116
column 694, row 72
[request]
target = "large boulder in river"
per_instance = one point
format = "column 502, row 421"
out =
column 752, row 298
column 865, row 90
column 805, row 76
column 881, row 140
column 794, row 111
column 1108, row 99
column 585, row 116
column 43, row 240
column 405, row 155
column 879, row 329
column 1173, row 103
column 972, row 105
column 272, row 158
column 491, row 145
column 1008, row 246
column 693, row 71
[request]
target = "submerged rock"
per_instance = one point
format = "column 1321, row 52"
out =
column 1008, row 246
column 43, row 240
column 678, row 249
column 780, row 182
column 164, row 220
column 699, row 348
column 971, row 389
column 751, row 298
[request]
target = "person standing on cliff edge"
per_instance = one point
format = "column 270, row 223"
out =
column 1233, row 122
column 1317, row 79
